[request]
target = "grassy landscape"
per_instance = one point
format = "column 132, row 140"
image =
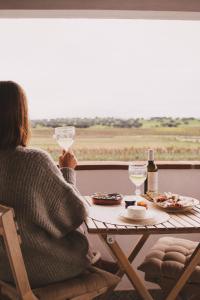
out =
column 127, row 144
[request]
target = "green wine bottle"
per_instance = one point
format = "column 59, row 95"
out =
column 151, row 183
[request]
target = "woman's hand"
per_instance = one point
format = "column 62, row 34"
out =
column 68, row 160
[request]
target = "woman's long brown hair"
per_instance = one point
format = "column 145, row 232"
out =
column 14, row 124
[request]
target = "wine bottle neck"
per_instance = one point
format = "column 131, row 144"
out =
column 151, row 155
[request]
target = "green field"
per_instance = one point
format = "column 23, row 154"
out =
column 126, row 144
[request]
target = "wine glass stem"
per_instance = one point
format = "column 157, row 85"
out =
column 137, row 190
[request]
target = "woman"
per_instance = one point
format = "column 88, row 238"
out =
column 48, row 208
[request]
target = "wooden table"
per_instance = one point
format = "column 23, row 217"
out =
column 187, row 222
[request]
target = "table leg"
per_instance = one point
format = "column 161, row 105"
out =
column 135, row 251
column 187, row 271
column 128, row 269
column 138, row 247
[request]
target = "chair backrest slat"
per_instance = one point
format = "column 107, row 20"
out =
column 11, row 240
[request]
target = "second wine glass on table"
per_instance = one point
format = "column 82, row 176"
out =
column 137, row 174
column 65, row 136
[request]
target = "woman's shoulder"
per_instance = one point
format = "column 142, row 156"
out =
column 30, row 151
column 34, row 155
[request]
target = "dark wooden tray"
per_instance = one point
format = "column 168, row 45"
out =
column 107, row 199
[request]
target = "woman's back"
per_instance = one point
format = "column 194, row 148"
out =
column 48, row 210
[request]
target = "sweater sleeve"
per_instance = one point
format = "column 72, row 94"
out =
column 59, row 206
column 69, row 175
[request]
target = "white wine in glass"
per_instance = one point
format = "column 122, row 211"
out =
column 137, row 174
column 65, row 136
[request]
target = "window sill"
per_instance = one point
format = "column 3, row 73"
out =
column 119, row 165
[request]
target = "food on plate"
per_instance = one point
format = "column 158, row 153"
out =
column 169, row 200
column 161, row 198
column 142, row 203
column 106, row 198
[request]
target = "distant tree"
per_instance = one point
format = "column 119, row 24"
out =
column 110, row 121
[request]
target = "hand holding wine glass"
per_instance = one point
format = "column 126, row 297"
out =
column 68, row 159
column 65, row 136
column 137, row 174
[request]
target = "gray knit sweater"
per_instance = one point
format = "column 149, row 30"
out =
column 49, row 211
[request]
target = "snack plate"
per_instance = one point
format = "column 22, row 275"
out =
column 149, row 215
column 187, row 204
column 107, row 199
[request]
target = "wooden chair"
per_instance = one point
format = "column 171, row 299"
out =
column 87, row 286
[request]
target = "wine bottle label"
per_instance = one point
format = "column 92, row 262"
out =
column 152, row 181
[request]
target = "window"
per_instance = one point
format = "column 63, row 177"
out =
column 129, row 84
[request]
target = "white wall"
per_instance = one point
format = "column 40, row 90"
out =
column 185, row 182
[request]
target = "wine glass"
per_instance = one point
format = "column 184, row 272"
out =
column 137, row 174
column 65, row 136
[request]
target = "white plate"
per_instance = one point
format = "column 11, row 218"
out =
column 149, row 215
column 187, row 202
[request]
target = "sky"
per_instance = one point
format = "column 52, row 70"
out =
column 104, row 67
